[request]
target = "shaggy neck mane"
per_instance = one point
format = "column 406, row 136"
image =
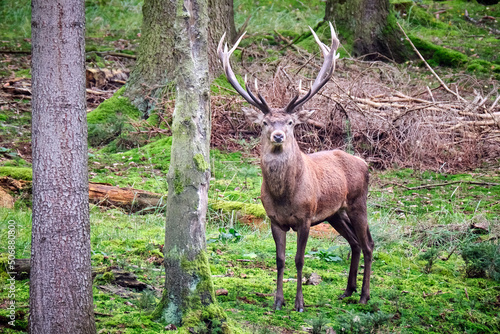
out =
column 281, row 168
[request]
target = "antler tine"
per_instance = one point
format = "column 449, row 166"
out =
column 224, row 55
column 325, row 73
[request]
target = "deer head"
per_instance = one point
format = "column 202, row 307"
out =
column 278, row 123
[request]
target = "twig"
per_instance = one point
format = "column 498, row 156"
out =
column 428, row 186
column 479, row 23
column 429, row 67
column 22, row 52
column 115, row 54
column 430, row 93
column 451, row 253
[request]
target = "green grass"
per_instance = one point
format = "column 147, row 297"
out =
column 106, row 21
column 269, row 15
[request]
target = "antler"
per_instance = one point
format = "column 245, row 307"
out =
column 224, row 56
column 325, row 73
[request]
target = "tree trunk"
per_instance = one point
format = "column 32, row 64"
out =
column 221, row 20
column 61, row 283
column 188, row 298
column 370, row 25
column 155, row 65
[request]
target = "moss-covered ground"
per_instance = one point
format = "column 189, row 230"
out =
column 419, row 281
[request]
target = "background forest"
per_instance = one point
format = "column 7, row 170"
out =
column 432, row 141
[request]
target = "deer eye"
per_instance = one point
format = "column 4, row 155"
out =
column 290, row 122
column 264, row 123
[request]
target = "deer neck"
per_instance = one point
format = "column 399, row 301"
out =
column 281, row 167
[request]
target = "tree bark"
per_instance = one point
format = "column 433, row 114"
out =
column 61, row 283
column 188, row 285
column 221, row 20
column 370, row 25
column 155, row 65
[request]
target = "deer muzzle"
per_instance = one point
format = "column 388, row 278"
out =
column 278, row 137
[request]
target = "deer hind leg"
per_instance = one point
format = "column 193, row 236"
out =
column 359, row 223
column 279, row 237
column 302, row 236
column 341, row 223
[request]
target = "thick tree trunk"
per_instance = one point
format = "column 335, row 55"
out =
column 189, row 293
column 370, row 25
column 221, row 20
column 155, row 66
column 61, row 283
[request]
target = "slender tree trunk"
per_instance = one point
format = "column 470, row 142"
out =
column 188, row 286
column 370, row 25
column 155, row 66
column 61, row 282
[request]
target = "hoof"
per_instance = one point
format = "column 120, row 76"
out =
column 278, row 304
column 299, row 305
column 364, row 299
column 347, row 293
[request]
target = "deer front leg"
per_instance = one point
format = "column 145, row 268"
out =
column 279, row 237
column 302, row 236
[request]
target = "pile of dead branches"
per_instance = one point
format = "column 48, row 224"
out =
column 376, row 110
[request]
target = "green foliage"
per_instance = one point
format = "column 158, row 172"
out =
column 362, row 322
column 430, row 257
column 482, row 259
column 318, row 324
column 329, row 255
column 226, row 236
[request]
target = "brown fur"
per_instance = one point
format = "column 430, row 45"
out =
column 301, row 190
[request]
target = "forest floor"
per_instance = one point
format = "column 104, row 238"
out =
column 434, row 218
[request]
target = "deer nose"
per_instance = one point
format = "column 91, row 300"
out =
column 278, row 137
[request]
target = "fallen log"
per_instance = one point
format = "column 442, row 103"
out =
column 22, row 270
column 129, row 199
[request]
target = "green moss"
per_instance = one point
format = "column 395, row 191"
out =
column 438, row 55
column 24, row 73
column 199, row 311
column 200, row 162
column 18, row 173
column 221, row 86
column 178, row 184
column 110, row 119
column 156, row 153
column 256, row 210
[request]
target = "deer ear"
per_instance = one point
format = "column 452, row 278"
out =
column 254, row 116
column 303, row 115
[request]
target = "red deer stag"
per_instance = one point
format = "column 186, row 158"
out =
column 302, row 190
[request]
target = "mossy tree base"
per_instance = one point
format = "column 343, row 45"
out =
column 371, row 27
